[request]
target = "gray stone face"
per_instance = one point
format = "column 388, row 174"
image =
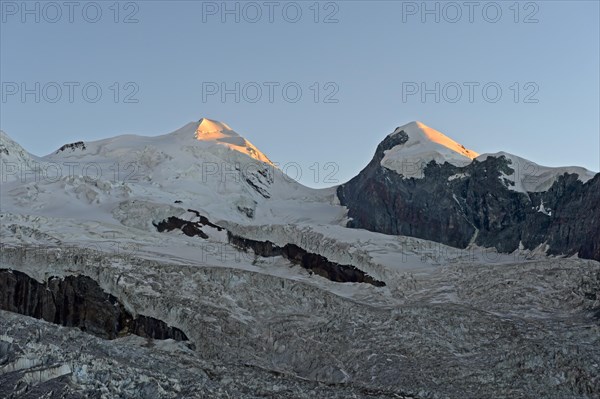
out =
column 77, row 301
column 477, row 208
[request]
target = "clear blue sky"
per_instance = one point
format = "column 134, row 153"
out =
column 373, row 54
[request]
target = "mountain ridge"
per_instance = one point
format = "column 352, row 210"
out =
column 437, row 190
column 215, row 132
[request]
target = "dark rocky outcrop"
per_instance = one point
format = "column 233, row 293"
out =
column 575, row 223
column 249, row 212
column 77, row 301
column 72, row 146
column 189, row 228
column 478, row 208
column 316, row 263
column 204, row 220
column 258, row 189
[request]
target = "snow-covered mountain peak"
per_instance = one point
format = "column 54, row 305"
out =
column 423, row 135
column 215, row 132
column 424, row 144
column 206, row 127
column 205, row 139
